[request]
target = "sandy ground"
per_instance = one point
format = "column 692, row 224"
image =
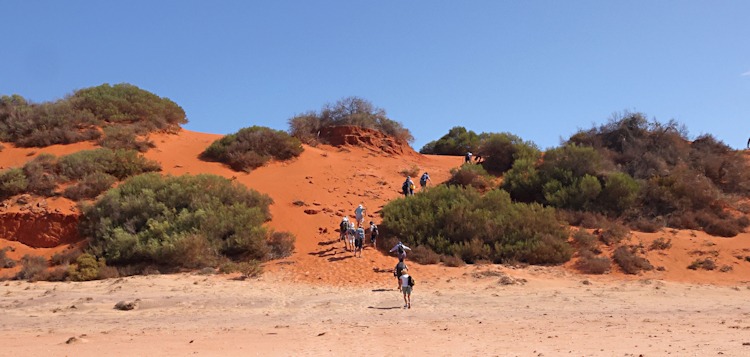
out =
column 323, row 301
column 468, row 312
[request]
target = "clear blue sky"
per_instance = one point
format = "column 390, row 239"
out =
column 537, row 69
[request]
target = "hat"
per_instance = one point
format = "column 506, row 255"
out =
column 360, row 206
column 346, row 218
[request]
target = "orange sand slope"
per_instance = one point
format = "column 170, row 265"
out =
column 328, row 182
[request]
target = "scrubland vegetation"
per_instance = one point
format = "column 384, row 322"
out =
column 353, row 111
column 252, row 147
column 87, row 173
column 82, row 115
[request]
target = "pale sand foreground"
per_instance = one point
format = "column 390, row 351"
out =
column 468, row 313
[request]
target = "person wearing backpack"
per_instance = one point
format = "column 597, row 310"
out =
column 373, row 233
column 350, row 234
column 359, row 240
column 343, row 228
column 398, row 271
column 408, row 187
column 423, row 180
column 407, row 284
column 401, row 249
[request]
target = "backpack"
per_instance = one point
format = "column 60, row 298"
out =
column 374, row 231
column 411, row 281
column 400, row 249
column 423, row 179
column 405, row 187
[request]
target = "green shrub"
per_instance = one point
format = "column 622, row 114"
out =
column 424, row 255
column 65, row 257
column 453, row 220
column 412, row 171
column 12, row 182
column 90, row 186
column 613, row 233
column 590, row 263
column 523, row 181
column 6, row 262
column 86, row 268
column 452, row 261
column 125, row 138
column 281, row 244
column 585, row 241
column 252, row 147
column 629, row 261
column 127, row 104
column 347, row 111
column 186, row 221
column 470, row 175
column 40, row 175
column 118, row 163
column 457, row 142
column 33, row 268
column 501, row 150
column 705, row 264
column 248, row 269
column 661, row 244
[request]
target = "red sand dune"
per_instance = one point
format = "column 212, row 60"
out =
column 330, row 181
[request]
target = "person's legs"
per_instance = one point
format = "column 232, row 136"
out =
column 406, row 303
column 408, row 300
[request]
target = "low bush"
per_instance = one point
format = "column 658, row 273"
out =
column 585, row 241
column 12, row 182
column 124, row 138
column 412, row 171
column 86, row 268
column 347, row 111
column 627, row 258
column 660, row 244
column 424, row 255
column 501, row 150
column 118, row 163
column 591, row 263
column 452, row 261
column 281, row 245
column 180, row 222
column 65, row 257
column 252, row 147
column 6, row 262
column 33, row 268
column 646, row 225
column 453, row 220
column 248, row 269
column 90, row 186
column 705, row 264
column 613, row 233
column 470, row 175
column 40, row 175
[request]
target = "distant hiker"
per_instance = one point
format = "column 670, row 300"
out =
column 359, row 213
column 748, row 143
column 423, row 180
column 401, row 249
column 478, row 159
column 398, row 271
column 343, row 228
column 359, row 241
column 350, row 233
column 407, row 283
column 373, row 233
column 408, row 187
column 468, row 157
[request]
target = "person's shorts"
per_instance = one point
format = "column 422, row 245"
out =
column 358, row 243
column 406, row 289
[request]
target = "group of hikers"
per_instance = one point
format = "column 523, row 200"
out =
column 354, row 236
column 408, row 187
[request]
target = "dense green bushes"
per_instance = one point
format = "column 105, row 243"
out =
column 186, row 221
column 457, row 142
column 252, row 147
column 347, row 111
column 453, row 220
column 471, row 175
column 88, row 173
column 79, row 116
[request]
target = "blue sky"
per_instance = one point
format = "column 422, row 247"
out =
column 538, row 69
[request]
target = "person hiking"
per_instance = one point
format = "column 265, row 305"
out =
column 407, row 284
column 401, row 250
column 359, row 241
column 397, row 271
column 408, row 187
column 359, row 213
column 350, row 233
column 373, row 233
column 468, row 157
column 343, row 228
column 423, row 180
